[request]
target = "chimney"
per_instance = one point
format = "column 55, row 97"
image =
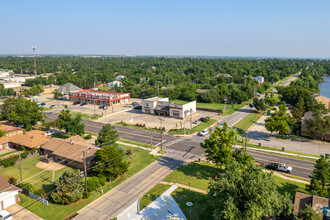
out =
column 71, row 141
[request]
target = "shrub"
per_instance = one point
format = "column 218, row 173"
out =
column 88, row 136
column 28, row 186
column 137, row 124
column 164, row 128
column 12, row 180
column 24, row 155
column 94, row 182
column 129, row 152
column 9, row 161
column 33, row 151
column 143, row 125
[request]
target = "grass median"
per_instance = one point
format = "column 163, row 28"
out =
column 247, row 122
column 198, row 128
column 137, row 127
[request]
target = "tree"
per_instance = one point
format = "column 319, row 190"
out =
column 320, row 178
column 219, row 145
column 271, row 99
column 108, row 136
column 71, row 125
column 309, row 214
column 57, row 94
column 22, row 112
column 259, row 104
column 242, row 157
column 279, row 122
column 110, row 162
column 69, row 188
column 298, row 110
column 320, row 121
column 246, row 192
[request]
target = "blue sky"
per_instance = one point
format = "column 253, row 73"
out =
column 277, row 28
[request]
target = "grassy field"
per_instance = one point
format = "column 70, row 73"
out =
column 153, row 194
column 249, row 120
column 139, row 160
column 137, row 127
column 195, row 174
column 86, row 116
column 289, row 186
column 29, row 169
column 230, row 109
column 195, row 129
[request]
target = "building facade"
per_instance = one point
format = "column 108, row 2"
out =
column 100, row 97
column 163, row 107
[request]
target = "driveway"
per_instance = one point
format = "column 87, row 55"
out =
column 22, row 215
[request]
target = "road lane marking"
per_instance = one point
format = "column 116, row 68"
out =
column 286, row 164
column 152, row 174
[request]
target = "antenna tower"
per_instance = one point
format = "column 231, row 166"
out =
column 34, row 59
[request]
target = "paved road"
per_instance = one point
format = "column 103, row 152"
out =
column 293, row 78
column 122, row 196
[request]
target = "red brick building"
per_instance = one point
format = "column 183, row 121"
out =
column 100, row 97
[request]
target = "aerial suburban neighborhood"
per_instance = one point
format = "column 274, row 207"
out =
column 113, row 127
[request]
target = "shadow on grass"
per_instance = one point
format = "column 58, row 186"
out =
column 200, row 171
column 289, row 188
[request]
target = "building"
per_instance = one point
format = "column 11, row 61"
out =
column 100, row 97
column 304, row 131
column 113, row 84
column 69, row 151
column 120, row 78
column 259, row 79
column 302, row 199
column 67, row 88
column 324, row 100
column 226, row 75
column 163, row 107
column 9, row 132
column 8, row 193
column 30, row 140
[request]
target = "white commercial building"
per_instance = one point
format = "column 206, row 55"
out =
column 163, row 107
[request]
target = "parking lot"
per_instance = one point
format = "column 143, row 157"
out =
column 121, row 113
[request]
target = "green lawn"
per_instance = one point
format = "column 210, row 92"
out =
column 137, row 127
column 246, row 122
column 153, row 194
column 230, row 109
column 62, row 135
column 29, row 169
column 135, row 143
column 290, row 186
column 86, row 116
column 139, row 160
column 200, row 209
column 195, row 174
column 195, row 129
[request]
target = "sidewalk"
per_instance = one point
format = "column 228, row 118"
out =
column 185, row 186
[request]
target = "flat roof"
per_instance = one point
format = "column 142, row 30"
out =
column 156, row 99
column 99, row 91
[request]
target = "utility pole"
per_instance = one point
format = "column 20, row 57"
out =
column 85, row 172
column 20, row 168
column 245, row 134
column 34, row 59
column 190, row 120
column 161, row 134
column 184, row 127
column 225, row 105
column 151, row 141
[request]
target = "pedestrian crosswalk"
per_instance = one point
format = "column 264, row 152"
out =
column 172, row 142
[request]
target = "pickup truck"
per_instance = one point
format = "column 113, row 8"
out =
column 279, row 167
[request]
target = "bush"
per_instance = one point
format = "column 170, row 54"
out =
column 88, row 136
column 94, row 182
column 12, row 180
column 28, row 186
column 33, row 151
column 24, row 155
column 128, row 152
column 9, row 161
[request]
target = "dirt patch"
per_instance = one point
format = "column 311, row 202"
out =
column 49, row 166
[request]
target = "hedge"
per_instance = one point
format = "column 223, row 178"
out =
column 9, row 161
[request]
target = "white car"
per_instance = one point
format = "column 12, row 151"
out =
column 50, row 132
column 204, row 132
column 5, row 215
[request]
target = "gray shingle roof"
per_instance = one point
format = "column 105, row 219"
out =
column 68, row 87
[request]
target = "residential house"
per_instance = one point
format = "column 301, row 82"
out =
column 30, row 140
column 70, row 151
column 324, row 100
column 302, row 199
column 304, row 131
column 9, row 132
column 226, row 75
column 201, row 91
column 259, row 79
column 120, row 78
column 8, row 193
column 113, row 84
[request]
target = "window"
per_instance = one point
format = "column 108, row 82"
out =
column 147, row 104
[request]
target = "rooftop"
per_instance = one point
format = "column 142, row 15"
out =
column 98, row 91
column 30, row 139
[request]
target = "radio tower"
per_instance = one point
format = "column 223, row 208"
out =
column 34, row 59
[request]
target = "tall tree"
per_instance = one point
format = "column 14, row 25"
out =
column 219, row 145
column 259, row 104
column 320, row 121
column 71, row 125
column 22, row 112
column 279, row 121
column 107, row 136
column 298, row 110
column 309, row 214
column 320, row 178
column 246, row 192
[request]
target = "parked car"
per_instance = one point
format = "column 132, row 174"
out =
column 61, row 98
column 138, row 107
column 50, row 132
column 52, row 106
column 203, row 133
column 5, row 215
column 103, row 107
column 42, row 104
column 135, row 103
column 201, row 119
column 196, row 121
column 20, row 126
column 128, row 105
column 82, row 104
column 279, row 167
column 76, row 103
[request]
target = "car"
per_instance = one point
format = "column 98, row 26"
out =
column 203, row 133
column 52, row 106
column 196, row 121
column 4, row 214
column 50, row 132
column 103, row 107
column 279, row 167
column 82, row 104
column 61, row 98
column 76, row 103
column 20, row 126
column 42, row 104
column 258, row 94
column 135, row 103
column 138, row 107
column 128, row 105
column 201, row 119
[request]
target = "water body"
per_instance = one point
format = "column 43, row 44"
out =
column 325, row 87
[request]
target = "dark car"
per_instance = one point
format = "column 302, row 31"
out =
column 138, row 107
column 60, row 98
column 135, row 103
column 82, row 104
column 42, row 104
column 201, row 119
column 103, row 107
column 76, row 103
column 52, row 106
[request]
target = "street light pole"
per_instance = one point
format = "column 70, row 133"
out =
column 85, row 172
column 225, row 105
column 245, row 134
column 161, row 134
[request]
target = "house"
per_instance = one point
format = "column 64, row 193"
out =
column 226, row 75
column 9, row 132
column 8, row 193
column 30, row 140
column 259, row 79
column 201, row 91
column 302, row 199
column 324, row 100
column 162, row 106
column 120, row 78
column 69, row 151
column 67, row 88
column 114, row 84
column 304, row 131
